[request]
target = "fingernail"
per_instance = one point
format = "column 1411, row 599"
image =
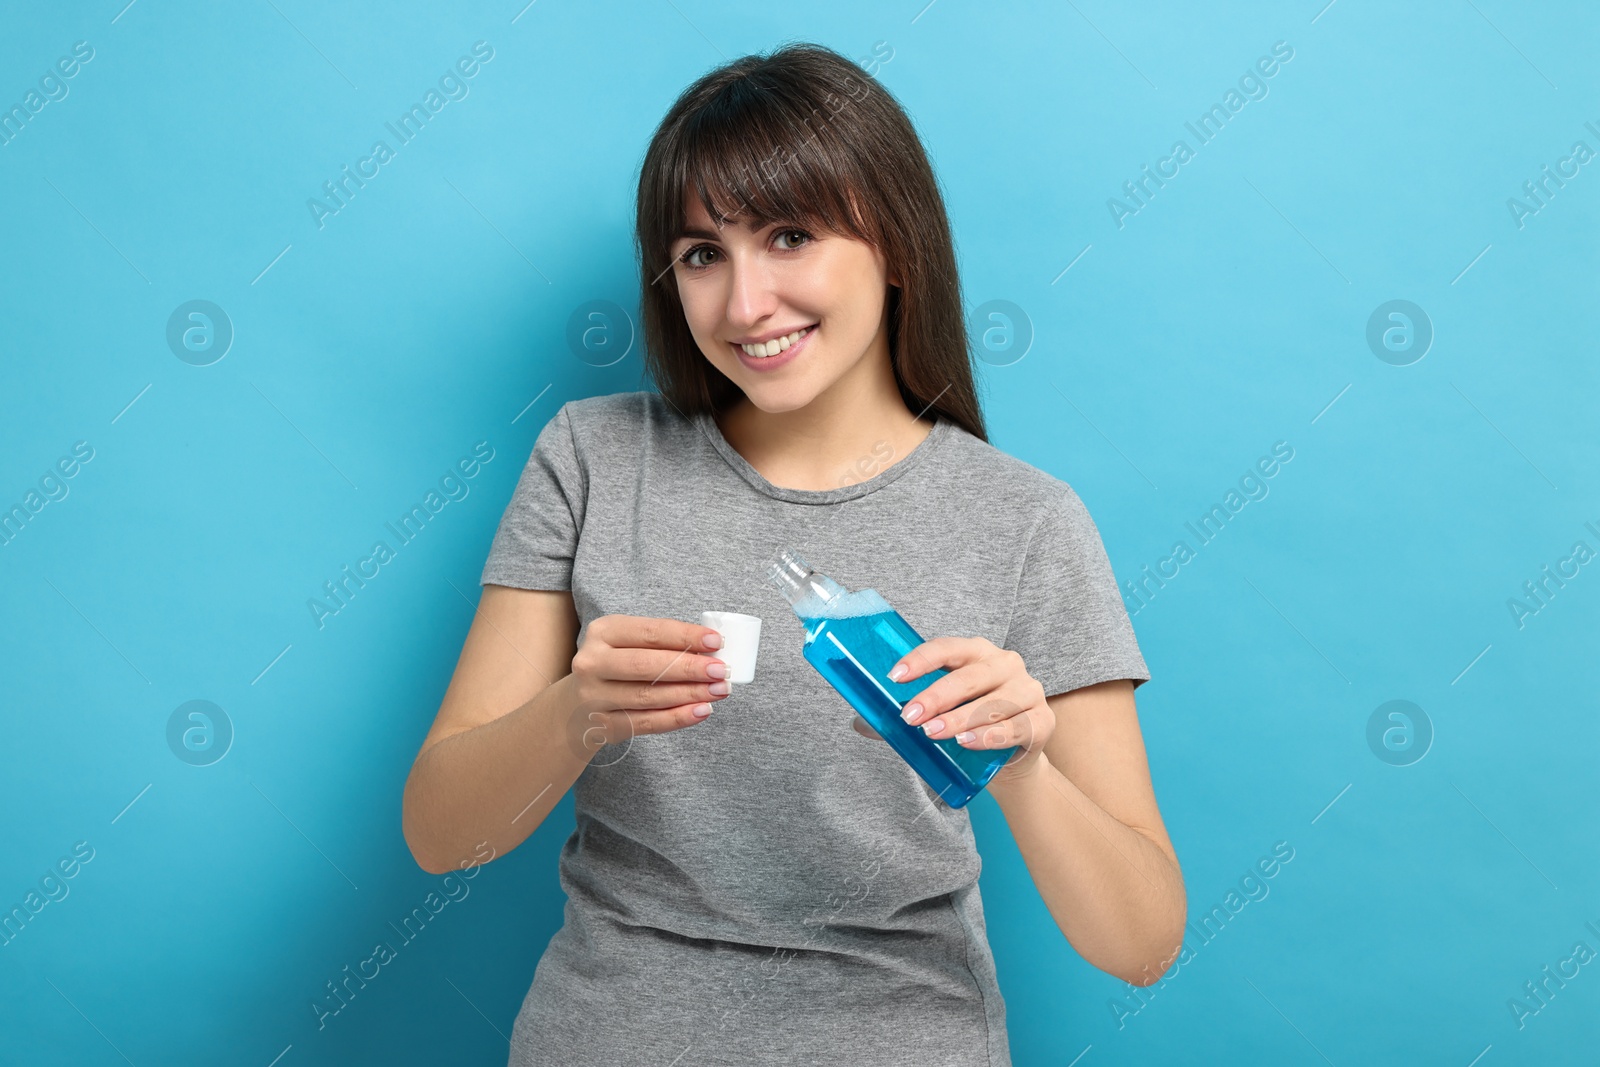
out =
column 721, row 689
column 965, row 737
column 702, row 710
column 933, row 728
column 712, row 640
column 717, row 669
column 911, row 712
column 898, row 673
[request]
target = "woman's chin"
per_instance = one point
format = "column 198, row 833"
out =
column 775, row 399
column 770, row 396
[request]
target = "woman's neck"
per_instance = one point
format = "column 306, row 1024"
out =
column 845, row 435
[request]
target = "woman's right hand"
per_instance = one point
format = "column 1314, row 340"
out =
column 639, row 675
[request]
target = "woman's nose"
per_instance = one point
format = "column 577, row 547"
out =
column 751, row 296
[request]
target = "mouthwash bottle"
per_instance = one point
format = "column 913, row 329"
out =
column 853, row 640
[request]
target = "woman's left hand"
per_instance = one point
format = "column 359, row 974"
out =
column 988, row 700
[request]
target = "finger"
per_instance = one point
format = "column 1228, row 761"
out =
column 596, row 726
column 959, row 686
column 643, row 631
column 662, row 720
column 645, row 696
column 1026, row 732
column 940, row 652
column 864, row 728
column 986, row 712
column 654, row 665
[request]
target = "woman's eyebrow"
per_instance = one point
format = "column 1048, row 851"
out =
column 750, row 224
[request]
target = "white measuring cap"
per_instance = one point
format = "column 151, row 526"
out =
column 741, row 636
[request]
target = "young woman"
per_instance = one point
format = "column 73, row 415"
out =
column 759, row 884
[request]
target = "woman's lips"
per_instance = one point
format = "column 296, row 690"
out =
column 773, row 362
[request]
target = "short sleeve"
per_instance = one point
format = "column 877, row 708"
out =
column 538, row 533
column 1069, row 624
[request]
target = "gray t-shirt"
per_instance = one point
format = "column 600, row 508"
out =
column 768, row 886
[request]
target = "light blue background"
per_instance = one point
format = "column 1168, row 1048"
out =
column 431, row 313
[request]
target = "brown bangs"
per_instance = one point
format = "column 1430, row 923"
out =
column 746, row 157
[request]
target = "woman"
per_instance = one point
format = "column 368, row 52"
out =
column 758, row 884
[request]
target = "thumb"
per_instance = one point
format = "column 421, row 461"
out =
column 862, row 727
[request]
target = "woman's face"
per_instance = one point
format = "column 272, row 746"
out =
column 742, row 285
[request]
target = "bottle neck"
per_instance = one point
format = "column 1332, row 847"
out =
column 795, row 579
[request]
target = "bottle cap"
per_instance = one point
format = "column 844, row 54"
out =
column 741, row 636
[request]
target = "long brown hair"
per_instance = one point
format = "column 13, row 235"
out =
column 804, row 136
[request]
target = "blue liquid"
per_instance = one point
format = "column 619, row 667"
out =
column 855, row 655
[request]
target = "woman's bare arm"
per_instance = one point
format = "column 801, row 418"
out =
column 497, row 759
column 527, row 708
column 1091, row 835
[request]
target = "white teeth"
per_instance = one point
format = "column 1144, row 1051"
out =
column 773, row 347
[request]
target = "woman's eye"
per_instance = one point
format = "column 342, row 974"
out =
column 689, row 259
column 694, row 259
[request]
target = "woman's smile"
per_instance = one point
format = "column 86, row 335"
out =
column 774, row 353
